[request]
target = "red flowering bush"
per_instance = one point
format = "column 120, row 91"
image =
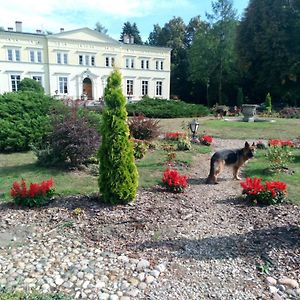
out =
column 175, row 136
column 206, row 140
column 272, row 192
column 173, row 181
column 36, row 195
column 281, row 143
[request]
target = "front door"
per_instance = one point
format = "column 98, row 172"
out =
column 87, row 88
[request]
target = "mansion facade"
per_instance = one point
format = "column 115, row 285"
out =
column 77, row 63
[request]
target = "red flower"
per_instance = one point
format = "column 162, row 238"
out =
column 281, row 143
column 175, row 135
column 174, row 181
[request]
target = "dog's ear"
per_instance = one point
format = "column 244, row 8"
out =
column 247, row 145
column 253, row 144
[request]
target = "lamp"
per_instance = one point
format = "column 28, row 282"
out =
column 194, row 127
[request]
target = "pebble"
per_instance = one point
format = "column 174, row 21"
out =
column 270, row 280
column 289, row 282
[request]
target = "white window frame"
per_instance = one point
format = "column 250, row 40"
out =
column 145, row 87
column 14, row 82
column 159, row 64
column 62, row 58
column 129, row 62
column 145, row 64
column 129, row 87
column 35, row 56
column 39, row 56
column 63, row 85
column 158, row 88
column 13, row 54
column 32, row 56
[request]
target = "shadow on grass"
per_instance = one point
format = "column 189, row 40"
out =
column 232, row 246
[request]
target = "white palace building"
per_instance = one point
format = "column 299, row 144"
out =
column 77, row 63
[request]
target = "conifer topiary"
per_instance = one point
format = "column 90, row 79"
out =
column 118, row 176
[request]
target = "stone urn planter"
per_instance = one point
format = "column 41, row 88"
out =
column 249, row 112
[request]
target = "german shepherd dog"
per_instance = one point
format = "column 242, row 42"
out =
column 234, row 158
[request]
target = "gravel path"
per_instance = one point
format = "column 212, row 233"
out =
column 203, row 244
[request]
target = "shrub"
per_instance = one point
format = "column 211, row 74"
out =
column 23, row 120
column 10, row 295
column 140, row 148
column 290, row 113
column 31, row 85
column 37, row 194
column 143, row 128
column 260, row 145
column 72, row 140
column 118, row 176
column 272, row 192
column 268, row 103
column 183, row 144
column 279, row 157
column 173, row 181
column 162, row 108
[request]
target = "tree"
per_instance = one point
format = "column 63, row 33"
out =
column 28, row 84
column 132, row 31
column 269, row 50
column 155, row 36
column 100, row 28
column 194, row 25
column 212, row 56
column 118, row 177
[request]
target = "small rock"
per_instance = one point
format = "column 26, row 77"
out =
column 100, row 284
column 85, row 284
column 161, row 268
column 143, row 264
column 134, row 281
column 155, row 273
column 133, row 292
column 46, row 287
column 103, row 296
column 281, row 288
column 291, row 293
column 298, row 292
column 277, row 297
column 289, row 282
column 270, row 280
column 124, row 298
column 113, row 297
column 149, row 279
column 273, row 289
column 142, row 286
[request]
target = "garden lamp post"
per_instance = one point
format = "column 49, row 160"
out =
column 194, row 127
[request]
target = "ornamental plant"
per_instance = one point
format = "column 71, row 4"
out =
column 279, row 154
column 37, row 194
column 140, row 148
column 175, row 136
column 272, row 192
column 173, row 181
column 206, row 140
column 118, row 176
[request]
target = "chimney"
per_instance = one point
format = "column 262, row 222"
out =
column 62, row 29
column 126, row 39
column 131, row 39
column 10, row 29
column 18, row 26
column 39, row 31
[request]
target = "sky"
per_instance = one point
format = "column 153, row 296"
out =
column 51, row 15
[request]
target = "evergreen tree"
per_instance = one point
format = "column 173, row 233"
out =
column 268, row 103
column 132, row 31
column 100, row 28
column 269, row 50
column 118, row 176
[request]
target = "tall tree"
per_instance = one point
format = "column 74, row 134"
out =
column 269, row 50
column 154, row 38
column 100, row 28
column 212, row 58
column 132, row 31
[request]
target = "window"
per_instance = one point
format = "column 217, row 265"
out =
column 35, row 56
column 31, row 56
column 159, row 65
column 158, row 88
column 87, row 60
column 15, row 81
column 65, row 58
column 39, row 56
column 129, row 87
column 129, row 63
column 63, row 85
column 109, row 61
column 13, row 54
column 144, row 87
column 144, row 64
column 62, row 58
column 80, row 59
column 38, row 78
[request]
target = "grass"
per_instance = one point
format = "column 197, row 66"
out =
column 22, row 165
column 280, row 129
column 259, row 167
column 14, row 167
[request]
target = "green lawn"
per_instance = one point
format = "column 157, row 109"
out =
column 22, row 165
column 259, row 167
column 280, row 129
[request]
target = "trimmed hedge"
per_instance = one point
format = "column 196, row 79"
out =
column 162, row 108
column 23, row 120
